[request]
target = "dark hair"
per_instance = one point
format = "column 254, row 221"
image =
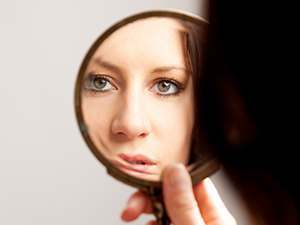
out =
column 243, row 54
column 207, row 108
column 233, row 63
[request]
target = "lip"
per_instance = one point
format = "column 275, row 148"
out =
column 137, row 159
column 136, row 163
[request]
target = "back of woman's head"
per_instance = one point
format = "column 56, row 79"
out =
column 247, row 111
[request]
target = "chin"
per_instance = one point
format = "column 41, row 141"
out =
column 149, row 177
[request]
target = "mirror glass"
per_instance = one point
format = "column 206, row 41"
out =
column 139, row 94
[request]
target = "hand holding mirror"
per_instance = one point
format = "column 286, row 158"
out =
column 136, row 100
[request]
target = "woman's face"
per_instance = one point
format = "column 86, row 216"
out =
column 138, row 97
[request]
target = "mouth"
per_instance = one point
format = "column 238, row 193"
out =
column 136, row 164
column 137, row 159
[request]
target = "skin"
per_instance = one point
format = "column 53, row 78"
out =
column 132, row 117
column 135, row 114
column 186, row 205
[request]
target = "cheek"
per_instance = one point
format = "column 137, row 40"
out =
column 173, row 127
column 96, row 116
column 175, row 114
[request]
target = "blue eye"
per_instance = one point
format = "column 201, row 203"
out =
column 98, row 83
column 166, row 87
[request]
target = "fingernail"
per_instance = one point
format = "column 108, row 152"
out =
column 177, row 177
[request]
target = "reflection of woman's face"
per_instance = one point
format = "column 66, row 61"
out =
column 138, row 97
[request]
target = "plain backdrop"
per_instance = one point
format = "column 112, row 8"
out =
column 47, row 174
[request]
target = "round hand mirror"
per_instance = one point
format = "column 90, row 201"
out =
column 137, row 99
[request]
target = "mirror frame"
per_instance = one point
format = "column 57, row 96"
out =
column 199, row 173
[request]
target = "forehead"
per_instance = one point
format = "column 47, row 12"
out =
column 154, row 27
column 159, row 24
column 155, row 39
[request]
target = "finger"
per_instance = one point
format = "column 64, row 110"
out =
column 137, row 204
column 179, row 197
column 210, row 203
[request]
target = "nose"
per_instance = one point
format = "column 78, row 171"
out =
column 131, row 120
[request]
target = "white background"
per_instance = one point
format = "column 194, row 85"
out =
column 47, row 174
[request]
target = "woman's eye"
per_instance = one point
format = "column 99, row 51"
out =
column 166, row 87
column 99, row 83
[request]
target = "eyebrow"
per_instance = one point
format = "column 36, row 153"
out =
column 107, row 65
column 110, row 66
column 168, row 68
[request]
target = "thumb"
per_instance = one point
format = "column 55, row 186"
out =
column 179, row 198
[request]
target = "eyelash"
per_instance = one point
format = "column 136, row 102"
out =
column 178, row 85
column 91, row 76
